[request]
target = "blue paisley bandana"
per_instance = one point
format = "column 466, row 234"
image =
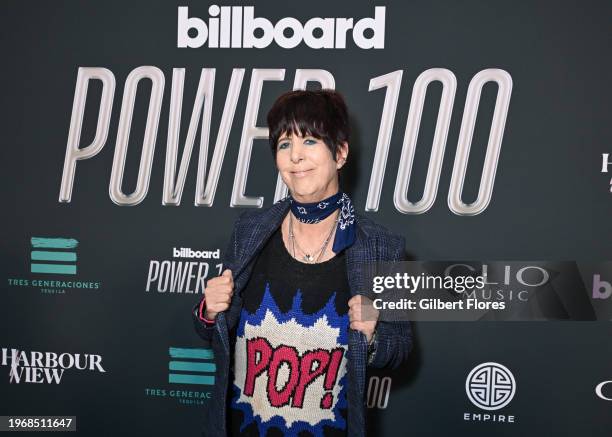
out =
column 317, row 211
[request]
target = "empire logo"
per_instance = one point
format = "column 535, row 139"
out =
column 46, row 367
column 490, row 387
column 235, row 27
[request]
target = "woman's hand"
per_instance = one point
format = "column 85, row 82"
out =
column 360, row 308
column 218, row 294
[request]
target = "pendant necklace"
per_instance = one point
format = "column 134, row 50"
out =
column 309, row 258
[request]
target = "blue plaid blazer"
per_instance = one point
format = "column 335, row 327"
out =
column 394, row 339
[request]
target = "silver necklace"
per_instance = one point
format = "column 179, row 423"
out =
column 310, row 258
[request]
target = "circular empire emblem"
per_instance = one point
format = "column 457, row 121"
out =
column 490, row 386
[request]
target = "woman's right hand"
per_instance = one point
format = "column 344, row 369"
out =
column 218, row 293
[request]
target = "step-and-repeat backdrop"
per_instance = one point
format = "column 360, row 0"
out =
column 133, row 135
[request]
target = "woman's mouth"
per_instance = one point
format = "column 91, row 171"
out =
column 300, row 174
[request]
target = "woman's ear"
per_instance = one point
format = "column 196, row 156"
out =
column 342, row 154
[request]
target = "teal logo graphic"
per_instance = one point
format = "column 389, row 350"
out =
column 191, row 366
column 54, row 255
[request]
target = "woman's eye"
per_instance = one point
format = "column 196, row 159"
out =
column 283, row 145
column 310, row 142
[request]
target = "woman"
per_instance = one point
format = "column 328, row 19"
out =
column 285, row 317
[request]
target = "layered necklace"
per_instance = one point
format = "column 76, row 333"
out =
column 310, row 257
column 315, row 212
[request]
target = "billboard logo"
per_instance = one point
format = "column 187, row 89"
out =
column 187, row 252
column 601, row 289
column 237, row 26
column 196, row 366
column 490, row 386
column 599, row 391
column 183, row 277
column 53, row 255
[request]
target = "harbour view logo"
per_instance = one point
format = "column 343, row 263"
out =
column 237, row 27
column 54, row 255
column 55, row 258
column 46, row 367
column 490, row 386
column 193, row 368
column 183, row 277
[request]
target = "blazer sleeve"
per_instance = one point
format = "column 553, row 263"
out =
column 393, row 339
column 203, row 328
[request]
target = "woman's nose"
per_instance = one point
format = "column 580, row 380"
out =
column 296, row 152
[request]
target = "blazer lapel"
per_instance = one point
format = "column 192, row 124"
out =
column 356, row 255
column 260, row 232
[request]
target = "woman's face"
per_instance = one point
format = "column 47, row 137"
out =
column 307, row 167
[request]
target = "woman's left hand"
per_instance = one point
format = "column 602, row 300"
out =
column 362, row 315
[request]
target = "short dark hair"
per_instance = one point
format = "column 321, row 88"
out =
column 322, row 114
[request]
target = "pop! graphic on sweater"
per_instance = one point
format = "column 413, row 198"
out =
column 290, row 368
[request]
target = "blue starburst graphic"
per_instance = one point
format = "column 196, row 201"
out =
column 295, row 315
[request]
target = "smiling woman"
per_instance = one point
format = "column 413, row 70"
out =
column 309, row 135
column 292, row 321
column 309, row 140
